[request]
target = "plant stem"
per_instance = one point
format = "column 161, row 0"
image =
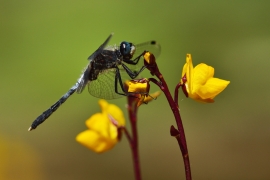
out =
column 174, row 106
column 182, row 137
column 132, row 110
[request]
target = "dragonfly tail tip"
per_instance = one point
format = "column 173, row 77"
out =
column 30, row 128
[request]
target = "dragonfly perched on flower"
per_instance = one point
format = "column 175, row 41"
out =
column 105, row 71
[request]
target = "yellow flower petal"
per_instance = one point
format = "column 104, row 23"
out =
column 202, row 73
column 151, row 96
column 188, row 71
column 149, row 58
column 112, row 110
column 93, row 140
column 136, row 87
column 212, row 87
column 100, row 123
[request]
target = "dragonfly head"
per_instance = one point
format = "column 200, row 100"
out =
column 127, row 49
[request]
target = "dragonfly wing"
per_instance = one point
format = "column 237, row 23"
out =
column 151, row 46
column 83, row 80
column 104, row 86
column 101, row 47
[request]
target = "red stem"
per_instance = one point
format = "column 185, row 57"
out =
column 132, row 110
column 176, row 93
column 174, row 106
column 127, row 134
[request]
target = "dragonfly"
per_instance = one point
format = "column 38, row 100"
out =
column 105, row 71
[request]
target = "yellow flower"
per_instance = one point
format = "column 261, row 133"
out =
column 102, row 134
column 199, row 82
column 140, row 88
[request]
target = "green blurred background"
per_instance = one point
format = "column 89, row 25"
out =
column 43, row 49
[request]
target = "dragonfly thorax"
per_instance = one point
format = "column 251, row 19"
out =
column 106, row 60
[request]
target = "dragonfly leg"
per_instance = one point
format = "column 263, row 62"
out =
column 135, row 61
column 118, row 79
column 131, row 73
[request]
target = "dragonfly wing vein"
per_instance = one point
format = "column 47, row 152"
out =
column 104, row 86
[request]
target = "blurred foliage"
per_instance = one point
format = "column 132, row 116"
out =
column 18, row 160
column 43, row 49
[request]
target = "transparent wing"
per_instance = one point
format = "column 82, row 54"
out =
column 101, row 47
column 104, row 86
column 83, row 80
column 151, row 46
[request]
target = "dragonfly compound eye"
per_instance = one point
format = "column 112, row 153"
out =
column 127, row 49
